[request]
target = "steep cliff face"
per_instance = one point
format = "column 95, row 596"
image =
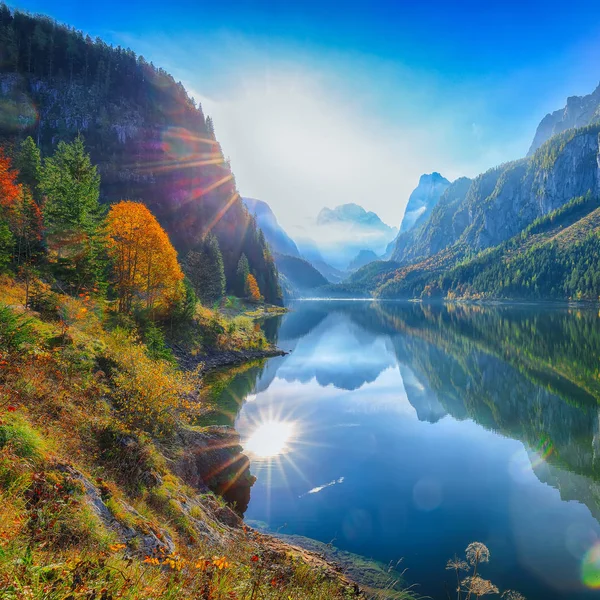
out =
column 445, row 223
column 422, row 200
column 579, row 112
column 564, row 168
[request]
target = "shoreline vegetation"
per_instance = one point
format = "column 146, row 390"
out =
column 458, row 301
column 112, row 490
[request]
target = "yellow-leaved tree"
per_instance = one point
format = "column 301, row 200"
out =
column 253, row 289
column 145, row 266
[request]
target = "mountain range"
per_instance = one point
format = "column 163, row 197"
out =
column 341, row 233
column 350, row 225
column 299, row 272
column 527, row 229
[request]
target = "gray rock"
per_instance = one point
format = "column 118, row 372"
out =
column 149, row 540
column 579, row 111
column 212, row 459
column 422, row 200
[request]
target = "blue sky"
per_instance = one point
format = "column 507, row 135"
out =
column 319, row 102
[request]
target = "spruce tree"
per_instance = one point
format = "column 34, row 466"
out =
column 241, row 277
column 7, row 245
column 72, row 216
column 217, row 287
column 29, row 165
column 71, row 185
column 204, row 269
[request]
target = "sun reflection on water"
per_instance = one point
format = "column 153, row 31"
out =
column 270, row 438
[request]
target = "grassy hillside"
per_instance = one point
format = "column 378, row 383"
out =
column 106, row 495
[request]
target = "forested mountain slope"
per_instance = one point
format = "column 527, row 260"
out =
column 502, row 201
column 299, row 274
column 481, row 230
column 150, row 140
column 557, row 257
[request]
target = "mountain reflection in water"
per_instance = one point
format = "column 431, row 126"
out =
column 412, row 430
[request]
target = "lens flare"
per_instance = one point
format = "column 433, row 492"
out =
column 544, row 450
column 427, row 494
column 590, row 567
column 270, row 438
column 18, row 113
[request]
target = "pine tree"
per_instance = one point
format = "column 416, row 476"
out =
column 71, row 185
column 27, row 228
column 205, row 271
column 217, row 288
column 241, row 276
column 72, row 215
column 7, row 245
column 210, row 128
column 29, row 165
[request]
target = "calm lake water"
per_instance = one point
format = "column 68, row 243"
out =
column 407, row 431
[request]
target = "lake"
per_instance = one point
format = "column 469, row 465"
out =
column 407, row 431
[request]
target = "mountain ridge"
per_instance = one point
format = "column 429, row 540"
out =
column 578, row 112
column 450, row 255
column 276, row 236
column 150, row 140
column 351, row 213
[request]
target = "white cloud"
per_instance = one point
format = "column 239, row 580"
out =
column 299, row 146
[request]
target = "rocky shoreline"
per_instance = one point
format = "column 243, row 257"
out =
column 212, row 459
column 223, row 358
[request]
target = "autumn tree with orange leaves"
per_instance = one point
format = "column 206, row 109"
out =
column 145, row 266
column 253, row 289
column 19, row 214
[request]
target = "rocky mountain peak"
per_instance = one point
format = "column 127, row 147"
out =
column 423, row 199
column 352, row 214
column 578, row 112
column 276, row 236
